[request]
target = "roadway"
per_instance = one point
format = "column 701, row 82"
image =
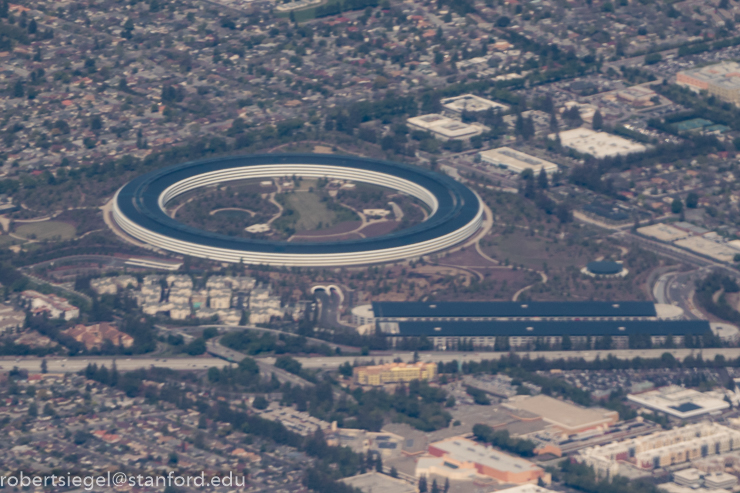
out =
column 75, row 364
column 677, row 288
column 192, row 331
column 266, row 365
column 331, row 362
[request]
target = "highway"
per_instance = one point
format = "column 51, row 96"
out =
column 192, row 331
column 316, row 362
column 677, row 288
column 265, row 364
column 74, row 364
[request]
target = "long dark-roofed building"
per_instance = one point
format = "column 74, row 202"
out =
column 587, row 324
column 511, row 309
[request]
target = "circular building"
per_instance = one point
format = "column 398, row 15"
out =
column 456, row 211
column 605, row 268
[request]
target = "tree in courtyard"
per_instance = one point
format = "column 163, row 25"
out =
column 542, row 179
column 692, row 200
column 18, row 90
column 598, row 121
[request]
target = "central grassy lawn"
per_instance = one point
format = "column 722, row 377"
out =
column 311, row 211
column 532, row 251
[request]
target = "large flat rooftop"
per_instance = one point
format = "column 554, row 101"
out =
column 374, row 482
column 471, row 102
column 551, row 328
column 598, row 144
column 516, row 161
column 447, row 128
column 725, row 74
column 512, row 309
column 464, row 450
column 680, row 402
column 564, row 415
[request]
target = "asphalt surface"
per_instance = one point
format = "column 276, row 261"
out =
column 75, row 364
column 677, row 288
column 436, row 357
column 265, row 364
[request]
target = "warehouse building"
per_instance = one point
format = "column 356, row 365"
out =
column 515, row 161
column 564, row 416
column 661, row 449
column 521, row 325
column 459, row 458
column 721, row 80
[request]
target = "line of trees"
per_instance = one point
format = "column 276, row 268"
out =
column 501, row 439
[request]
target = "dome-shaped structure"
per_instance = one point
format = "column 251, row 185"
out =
column 604, row 268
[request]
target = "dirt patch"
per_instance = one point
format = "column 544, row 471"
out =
column 467, row 257
column 322, row 150
column 344, row 227
column 378, row 229
column 308, row 239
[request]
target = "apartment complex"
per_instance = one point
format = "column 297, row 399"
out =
column 394, row 373
column 663, row 448
column 721, row 80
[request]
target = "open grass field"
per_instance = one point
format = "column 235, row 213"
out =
column 313, row 214
column 532, row 251
column 6, row 241
column 46, row 230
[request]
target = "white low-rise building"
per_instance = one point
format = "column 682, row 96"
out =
column 597, row 144
column 180, row 280
column 681, row 402
column 180, row 311
column 516, row 162
column 472, row 103
column 55, row 306
column 219, row 298
column 263, row 315
column 180, row 295
column 445, row 128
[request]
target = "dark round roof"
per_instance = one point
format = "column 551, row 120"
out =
column 139, row 202
column 605, row 267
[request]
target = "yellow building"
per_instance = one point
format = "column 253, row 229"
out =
column 394, row 373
